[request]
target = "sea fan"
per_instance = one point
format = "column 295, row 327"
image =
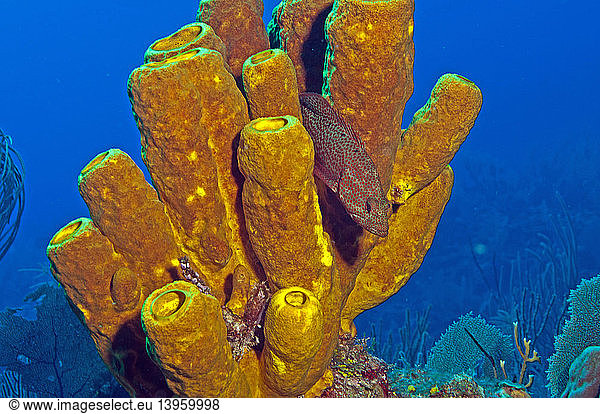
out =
column 579, row 332
column 456, row 352
column 12, row 192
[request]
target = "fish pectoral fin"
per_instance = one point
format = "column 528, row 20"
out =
column 328, row 179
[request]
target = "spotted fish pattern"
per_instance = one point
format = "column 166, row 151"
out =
column 344, row 165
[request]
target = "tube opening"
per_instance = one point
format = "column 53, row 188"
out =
column 262, row 56
column 97, row 160
column 167, row 304
column 178, row 39
column 296, row 298
column 462, row 78
column 182, row 56
column 67, row 231
column 270, row 124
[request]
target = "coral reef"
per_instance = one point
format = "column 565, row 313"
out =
column 354, row 373
column 233, row 195
column 418, row 383
column 461, row 386
column 581, row 331
column 507, row 389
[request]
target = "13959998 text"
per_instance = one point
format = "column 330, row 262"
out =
column 188, row 404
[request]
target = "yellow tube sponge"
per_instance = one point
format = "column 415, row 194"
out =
column 122, row 203
column 75, row 239
column 186, row 138
column 190, row 36
column 280, row 202
column 100, row 283
column 270, row 85
column 276, row 156
column 187, row 337
column 293, row 335
column 434, row 135
column 184, row 177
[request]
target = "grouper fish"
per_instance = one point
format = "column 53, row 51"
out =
column 344, row 165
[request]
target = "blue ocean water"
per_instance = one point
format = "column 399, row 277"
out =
column 530, row 162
